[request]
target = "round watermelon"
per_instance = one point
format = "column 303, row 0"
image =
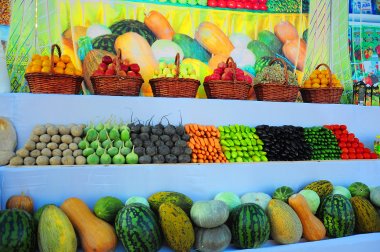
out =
column 106, row 208
column 283, row 193
column 105, row 42
column 359, row 189
column 130, row 25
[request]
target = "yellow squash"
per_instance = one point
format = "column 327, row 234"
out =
column 213, row 39
column 159, row 25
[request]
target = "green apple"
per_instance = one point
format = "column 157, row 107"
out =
column 192, row 2
column 169, row 75
column 173, row 1
column 162, row 65
column 182, row 1
column 162, row 1
column 193, row 76
column 166, row 71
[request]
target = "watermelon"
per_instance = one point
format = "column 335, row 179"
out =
column 260, row 49
column 359, row 189
column 106, row 208
column 130, row 25
column 191, row 48
column 249, row 226
column 138, row 229
column 283, row 193
column 337, row 215
column 269, row 39
column 18, row 232
column 105, row 42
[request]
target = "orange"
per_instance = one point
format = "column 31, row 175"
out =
column 315, row 85
column 313, row 76
column 70, row 65
column 37, row 62
column 46, row 63
column 78, row 72
column 36, row 69
column 61, row 65
column 317, row 81
column 324, row 81
column 58, row 70
column 45, row 69
column 335, row 81
column 325, row 72
column 28, row 69
column 307, row 85
column 321, row 76
column 36, row 57
column 307, row 82
column 65, row 58
column 316, row 72
column 69, row 71
column 55, row 59
column 45, row 58
column 323, row 86
column 334, row 76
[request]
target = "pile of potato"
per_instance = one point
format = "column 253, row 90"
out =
column 52, row 145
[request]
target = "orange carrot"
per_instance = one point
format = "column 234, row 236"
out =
column 187, row 128
column 202, row 141
column 190, row 144
column 195, row 127
column 194, row 160
column 197, row 146
column 212, row 142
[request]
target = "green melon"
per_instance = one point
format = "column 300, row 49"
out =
column 305, row 35
column 375, row 196
column 230, row 198
column 312, row 199
column 337, row 215
column 130, row 25
column 321, row 187
column 342, row 190
column 366, row 217
column 283, row 193
column 138, row 229
column 191, row 48
column 137, row 199
column 249, row 226
column 260, row 49
column 359, row 189
column 37, row 214
column 106, row 208
column 270, row 40
column 105, row 42
column 178, row 199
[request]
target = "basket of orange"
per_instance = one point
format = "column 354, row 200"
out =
column 54, row 74
column 322, row 87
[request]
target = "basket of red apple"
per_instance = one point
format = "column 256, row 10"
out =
column 175, row 80
column 117, row 77
column 228, row 82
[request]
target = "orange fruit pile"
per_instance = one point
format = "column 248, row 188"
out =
column 320, row 79
column 62, row 65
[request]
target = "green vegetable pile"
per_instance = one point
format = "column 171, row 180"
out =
column 241, row 144
column 275, row 74
column 288, row 6
column 323, row 143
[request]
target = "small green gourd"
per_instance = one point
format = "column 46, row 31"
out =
column 132, row 157
column 118, row 158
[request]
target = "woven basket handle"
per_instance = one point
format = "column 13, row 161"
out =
column 285, row 68
column 230, row 59
column 329, row 70
column 177, row 63
column 53, row 47
column 118, row 61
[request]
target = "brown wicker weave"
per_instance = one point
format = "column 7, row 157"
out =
column 322, row 95
column 50, row 83
column 174, row 87
column 222, row 89
column 280, row 92
column 117, row 85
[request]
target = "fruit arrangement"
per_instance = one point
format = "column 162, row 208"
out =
column 108, row 67
column 204, row 143
column 275, row 74
column 317, row 211
column 226, row 72
column 186, row 2
column 350, row 145
column 323, row 143
column 241, row 144
column 258, row 5
column 62, row 65
column 320, row 79
column 288, row 6
column 284, row 143
column 170, row 71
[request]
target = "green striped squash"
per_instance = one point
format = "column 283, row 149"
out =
column 321, row 187
column 178, row 199
column 55, row 231
column 137, row 228
column 17, row 230
column 337, row 215
column 366, row 216
column 249, row 226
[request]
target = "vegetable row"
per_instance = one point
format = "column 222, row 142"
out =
column 318, row 211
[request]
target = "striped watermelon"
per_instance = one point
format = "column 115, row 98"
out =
column 105, row 42
column 249, row 226
column 138, row 229
column 337, row 215
column 130, row 25
column 17, row 231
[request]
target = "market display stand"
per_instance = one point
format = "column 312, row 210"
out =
column 53, row 184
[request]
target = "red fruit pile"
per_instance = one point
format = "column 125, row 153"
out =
column 350, row 145
column 108, row 68
column 226, row 72
column 239, row 4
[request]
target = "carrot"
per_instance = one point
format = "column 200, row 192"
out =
column 187, row 128
column 210, row 128
column 195, row 127
column 198, row 133
column 206, row 161
column 203, row 152
column 201, row 127
column 192, row 141
column 194, row 160
column 202, row 141
column 197, row 146
column 217, row 161
column 191, row 134
column 212, row 142
column 200, row 161
column 206, row 141
column 193, row 155
column 191, row 145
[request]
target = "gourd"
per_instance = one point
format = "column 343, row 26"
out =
column 212, row 239
column 285, row 31
column 295, row 51
column 95, row 234
column 22, row 201
column 313, row 228
column 209, row 214
column 213, row 39
column 136, row 49
column 159, row 25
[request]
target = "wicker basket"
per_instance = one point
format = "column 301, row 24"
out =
column 222, row 89
column 50, row 83
column 174, row 87
column 117, row 85
column 322, row 95
column 279, row 92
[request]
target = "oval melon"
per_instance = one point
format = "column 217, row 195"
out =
column 176, row 198
column 375, row 196
column 106, row 208
column 366, row 217
column 259, row 198
column 166, row 50
column 230, row 198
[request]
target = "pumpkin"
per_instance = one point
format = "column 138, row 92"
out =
column 285, row 31
column 159, row 25
column 313, row 228
column 136, row 49
column 94, row 233
column 213, row 39
column 20, row 202
column 212, row 239
column 209, row 214
column 295, row 51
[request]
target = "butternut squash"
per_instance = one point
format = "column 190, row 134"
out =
column 213, row 39
column 313, row 228
column 295, row 51
column 136, row 49
column 159, row 25
column 94, row 233
column 285, row 31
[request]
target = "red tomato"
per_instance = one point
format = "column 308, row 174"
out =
column 255, row 6
column 240, row 5
column 343, row 139
column 352, row 155
column 359, row 150
column 254, row 1
column 351, row 150
column 263, row 7
column 361, row 145
column 342, row 145
column 366, row 150
column 338, row 132
column 343, row 127
column 222, row 4
column 344, row 156
column 262, row 1
column 212, row 3
column 248, row 5
column 366, row 155
column 356, row 140
column 348, row 144
column 359, row 156
column 355, row 145
column 231, row 4
column 374, row 156
column 345, row 132
column 345, row 150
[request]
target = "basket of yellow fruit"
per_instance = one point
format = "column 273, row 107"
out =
column 173, row 80
column 322, row 87
column 54, row 75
